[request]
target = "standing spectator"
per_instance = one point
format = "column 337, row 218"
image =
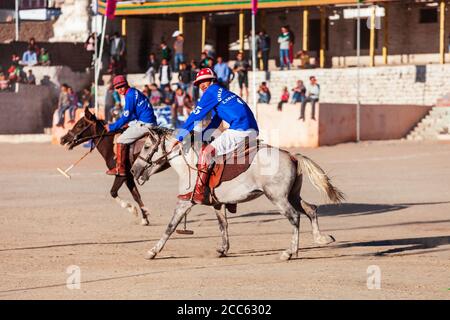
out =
column 33, row 46
column 178, row 49
column 89, row 45
column 29, row 57
column 165, row 74
column 291, row 44
column 298, row 92
column 313, row 92
column 184, row 77
column 241, row 66
column 223, row 73
column 117, row 47
column 152, row 66
column 284, row 40
column 44, row 57
column 31, row 79
column 263, row 43
column 284, row 98
column 264, row 93
column 166, row 53
column 63, row 104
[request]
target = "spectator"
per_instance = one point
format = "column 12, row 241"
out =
column 291, row 44
column 223, row 73
column 204, row 60
column 33, row 46
column 184, row 77
column 299, row 92
column 31, row 79
column 63, row 104
column 284, row 40
column 195, row 90
column 90, row 44
column 117, row 47
column 146, row 91
column 284, row 98
column 313, row 92
column 209, row 50
column 168, row 95
column 73, row 99
column 4, row 82
column 166, row 53
column 241, row 66
column 181, row 107
column 29, row 57
column 152, row 66
column 155, row 95
column 109, row 103
column 263, row 45
column 115, row 66
column 87, row 98
column 178, row 49
column 165, row 74
column 264, row 93
column 304, row 59
column 44, row 58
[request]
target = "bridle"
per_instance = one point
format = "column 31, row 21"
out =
column 76, row 139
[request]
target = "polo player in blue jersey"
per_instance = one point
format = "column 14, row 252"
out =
column 221, row 105
column 138, row 114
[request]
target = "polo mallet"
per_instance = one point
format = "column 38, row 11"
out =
column 65, row 172
column 184, row 230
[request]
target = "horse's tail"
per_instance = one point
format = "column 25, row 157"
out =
column 319, row 179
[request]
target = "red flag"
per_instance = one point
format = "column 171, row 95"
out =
column 111, row 8
column 254, row 6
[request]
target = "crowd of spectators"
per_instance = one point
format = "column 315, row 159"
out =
column 71, row 100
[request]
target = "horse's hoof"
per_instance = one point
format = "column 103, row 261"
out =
column 325, row 239
column 285, row 256
column 145, row 222
column 221, row 253
column 150, row 255
column 124, row 204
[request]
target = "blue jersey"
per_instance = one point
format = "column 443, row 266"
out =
column 223, row 105
column 137, row 107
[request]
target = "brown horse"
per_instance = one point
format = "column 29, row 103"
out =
column 91, row 128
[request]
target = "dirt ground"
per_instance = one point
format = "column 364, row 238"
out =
column 396, row 218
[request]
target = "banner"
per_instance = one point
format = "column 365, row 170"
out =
column 111, row 9
column 254, row 6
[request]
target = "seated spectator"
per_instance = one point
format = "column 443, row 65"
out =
column 182, row 104
column 87, row 98
column 63, row 104
column 44, row 58
column 205, row 60
column 284, row 98
column 304, row 59
column 146, row 91
column 312, row 96
column 4, row 82
column 115, row 66
column 29, row 58
column 73, row 99
column 155, row 95
column 298, row 92
column 264, row 93
column 33, row 46
column 31, row 79
column 168, row 95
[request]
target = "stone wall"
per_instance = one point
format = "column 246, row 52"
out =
column 408, row 84
column 27, row 111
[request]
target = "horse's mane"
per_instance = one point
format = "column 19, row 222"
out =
column 162, row 131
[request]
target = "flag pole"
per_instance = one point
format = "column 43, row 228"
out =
column 98, row 68
column 358, row 54
column 17, row 19
column 254, row 9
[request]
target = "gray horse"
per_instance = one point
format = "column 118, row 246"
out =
column 273, row 172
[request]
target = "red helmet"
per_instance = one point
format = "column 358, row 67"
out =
column 204, row 74
column 119, row 81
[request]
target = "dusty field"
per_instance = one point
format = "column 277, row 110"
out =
column 397, row 217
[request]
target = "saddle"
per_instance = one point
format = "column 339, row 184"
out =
column 231, row 165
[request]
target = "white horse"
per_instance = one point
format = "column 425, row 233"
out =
column 273, row 172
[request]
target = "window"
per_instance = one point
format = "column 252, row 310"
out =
column 428, row 15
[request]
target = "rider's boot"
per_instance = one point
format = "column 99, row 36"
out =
column 203, row 166
column 121, row 158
